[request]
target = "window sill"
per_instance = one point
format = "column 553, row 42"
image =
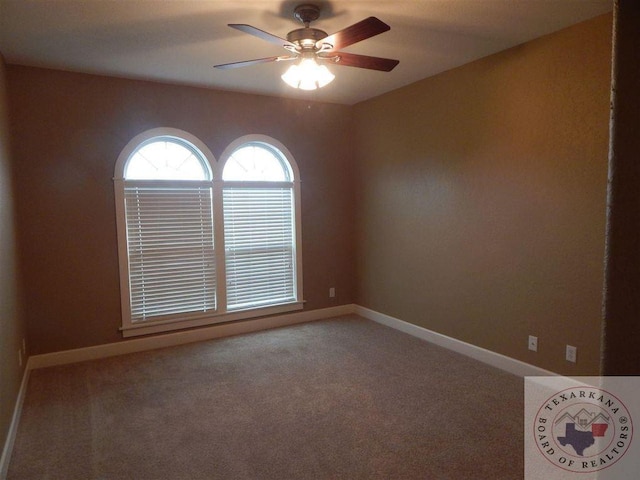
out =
column 150, row 327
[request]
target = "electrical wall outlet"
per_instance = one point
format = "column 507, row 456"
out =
column 572, row 353
column 533, row 343
column 332, row 292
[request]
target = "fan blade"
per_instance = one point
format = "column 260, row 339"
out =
column 247, row 63
column 256, row 32
column 367, row 28
column 364, row 61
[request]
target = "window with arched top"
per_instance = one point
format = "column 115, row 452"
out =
column 201, row 242
column 164, row 193
column 260, row 225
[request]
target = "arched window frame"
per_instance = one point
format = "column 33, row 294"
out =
column 133, row 321
column 293, row 183
column 215, row 170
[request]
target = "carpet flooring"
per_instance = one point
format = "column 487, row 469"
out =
column 343, row 398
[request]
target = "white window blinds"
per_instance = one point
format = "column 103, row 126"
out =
column 170, row 249
column 203, row 242
column 259, row 245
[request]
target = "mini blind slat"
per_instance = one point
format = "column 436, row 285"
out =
column 259, row 246
column 171, row 251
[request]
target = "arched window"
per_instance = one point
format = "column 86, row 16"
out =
column 257, row 161
column 175, row 212
column 261, row 224
column 167, row 158
column 165, row 212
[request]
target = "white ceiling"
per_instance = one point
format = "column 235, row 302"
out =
column 179, row 41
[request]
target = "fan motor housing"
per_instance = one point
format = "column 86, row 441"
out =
column 306, row 37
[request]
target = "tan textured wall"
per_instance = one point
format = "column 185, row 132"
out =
column 12, row 329
column 68, row 130
column 482, row 199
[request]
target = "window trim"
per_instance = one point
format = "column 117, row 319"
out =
column 129, row 328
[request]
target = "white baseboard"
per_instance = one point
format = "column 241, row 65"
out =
column 13, row 427
column 183, row 337
column 494, row 359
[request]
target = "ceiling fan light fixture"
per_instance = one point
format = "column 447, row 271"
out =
column 310, row 48
column 307, row 75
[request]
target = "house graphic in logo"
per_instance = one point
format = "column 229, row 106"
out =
column 582, row 429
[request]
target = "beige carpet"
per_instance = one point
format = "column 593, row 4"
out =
column 344, row 398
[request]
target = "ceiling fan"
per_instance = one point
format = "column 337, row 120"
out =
column 312, row 46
